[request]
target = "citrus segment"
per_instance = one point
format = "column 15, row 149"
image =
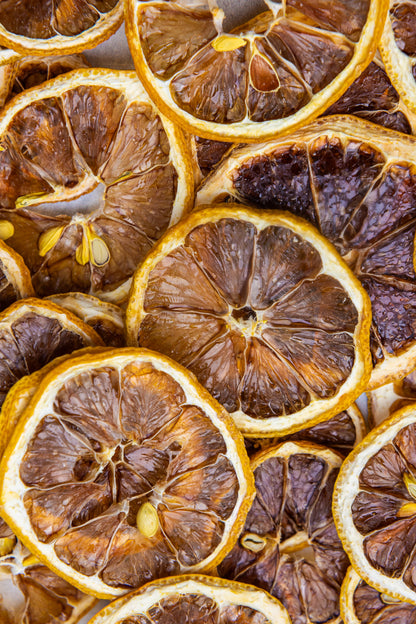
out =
column 194, row 599
column 260, row 79
column 289, row 544
column 15, row 280
column 155, row 478
column 256, row 305
column 84, row 215
column 357, row 183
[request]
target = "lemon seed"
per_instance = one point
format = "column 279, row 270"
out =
column 48, row 240
column 225, row 43
column 6, row 229
column 253, row 542
column 147, row 520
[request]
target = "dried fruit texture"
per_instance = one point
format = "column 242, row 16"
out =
column 155, row 479
column 45, row 27
column 30, row 593
column 375, row 506
column 340, row 433
column 384, row 401
column 194, row 600
column 84, row 215
column 15, row 280
column 357, row 183
column 289, row 545
column 260, row 309
column 259, row 80
column 105, row 318
column 362, row 604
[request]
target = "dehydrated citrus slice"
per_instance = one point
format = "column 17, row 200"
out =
column 90, row 176
column 289, row 545
column 30, row 593
column 262, row 310
column 15, row 280
column 265, row 77
column 398, row 49
column 194, row 599
column 33, row 332
column 155, row 480
column 46, row 27
column 375, row 506
column 384, row 401
column 106, row 318
column 362, row 604
column 340, row 433
column 356, row 182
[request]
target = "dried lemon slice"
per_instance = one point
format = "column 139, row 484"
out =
column 357, row 183
column 289, row 545
column 362, row 604
column 99, row 175
column 265, row 77
column 30, row 592
column 194, row 599
column 375, row 506
column 262, row 310
column 15, row 280
column 384, row 401
column 155, row 481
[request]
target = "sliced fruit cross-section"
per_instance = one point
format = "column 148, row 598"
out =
column 265, row 77
column 15, row 280
column 155, row 480
column 262, row 310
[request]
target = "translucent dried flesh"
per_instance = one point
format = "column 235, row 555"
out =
column 403, row 19
column 269, row 73
column 373, row 607
column 245, row 299
column 30, row 593
column 300, row 559
column 129, row 438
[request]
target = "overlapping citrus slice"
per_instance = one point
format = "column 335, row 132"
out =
column 90, row 176
column 105, row 318
column 398, row 49
column 15, row 280
column 362, row 604
column 195, row 600
column 57, row 27
column 155, row 481
column 262, row 78
column 375, row 506
column 384, row 401
column 289, row 545
column 30, row 593
column 356, row 182
column 262, row 310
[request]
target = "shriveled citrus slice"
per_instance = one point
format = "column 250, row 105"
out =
column 106, row 318
column 375, row 506
column 340, row 433
column 398, row 49
column 30, row 593
column 266, row 77
column 34, row 332
column 98, row 176
column 46, row 27
column 289, row 545
column 155, row 481
column 356, row 182
column 384, row 401
column 194, row 599
column 262, row 310
column 362, row 604
column 15, row 280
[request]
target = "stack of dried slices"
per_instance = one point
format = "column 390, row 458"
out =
column 204, row 263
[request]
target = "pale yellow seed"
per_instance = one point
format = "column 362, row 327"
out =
column 389, row 600
column 6, row 545
column 48, row 240
column 100, row 254
column 82, row 254
column 410, row 483
column 406, row 510
column 6, row 229
column 26, row 200
column 147, row 520
column 226, row 43
column 253, row 542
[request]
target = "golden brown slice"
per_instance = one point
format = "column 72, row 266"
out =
column 356, row 182
column 362, row 604
column 263, row 78
column 375, row 506
column 105, row 318
column 46, row 27
column 262, row 310
column 289, row 545
column 15, row 280
column 91, row 175
column 30, row 593
column 193, row 599
column 155, row 480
